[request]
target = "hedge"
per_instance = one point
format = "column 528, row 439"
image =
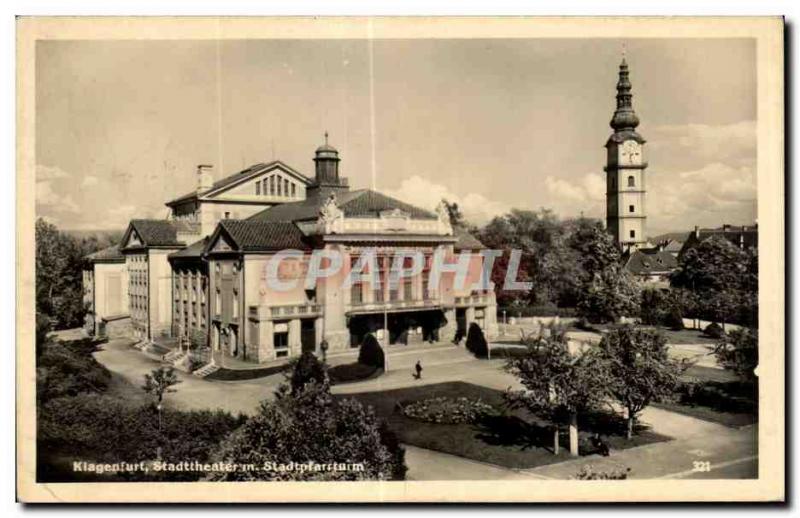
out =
column 371, row 352
column 535, row 311
column 351, row 372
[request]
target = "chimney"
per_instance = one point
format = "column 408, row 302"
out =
column 205, row 178
column 697, row 232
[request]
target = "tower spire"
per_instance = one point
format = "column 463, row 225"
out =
column 624, row 118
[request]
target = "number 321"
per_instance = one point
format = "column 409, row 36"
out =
column 701, row 465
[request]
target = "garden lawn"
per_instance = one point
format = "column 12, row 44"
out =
column 718, row 399
column 679, row 337
column 511, row 439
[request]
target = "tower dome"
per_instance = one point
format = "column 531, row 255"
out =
column 624, row 118
column 327, row 161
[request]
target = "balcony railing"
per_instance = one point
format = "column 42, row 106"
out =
column 294, row 310
column 395, row 305
column 472, row 300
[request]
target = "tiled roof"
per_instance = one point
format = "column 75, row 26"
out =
column 161, row 232
column 106, row 255
column 642, row 263
column 193, row 251
column 251, row 171
column 466, row 241
column 263, row 236
column 362, row 202
column 744, row 237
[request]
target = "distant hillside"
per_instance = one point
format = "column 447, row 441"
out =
column 102, row 236
column 676, row 236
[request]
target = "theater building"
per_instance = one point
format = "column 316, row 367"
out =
column 202, row 276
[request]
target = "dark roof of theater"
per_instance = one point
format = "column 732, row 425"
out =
column 466, row 241
column 263, row 236
column 193, row 251
column 161, row 232
column 106, row 255
column 361, row 202
column 651, row 262
column 242, row 175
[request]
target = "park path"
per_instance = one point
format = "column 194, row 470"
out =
column 695, row 439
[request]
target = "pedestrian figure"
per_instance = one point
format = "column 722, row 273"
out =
column 599, row 445
column 418, row 368
column 324, row 347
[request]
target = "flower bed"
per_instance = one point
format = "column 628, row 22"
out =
column 444, row 410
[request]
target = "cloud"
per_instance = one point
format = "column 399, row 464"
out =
column 705, row 143
column 423, row 193
column 586, row 196
column 89, row 181
column 51, row 200
column 46, row 173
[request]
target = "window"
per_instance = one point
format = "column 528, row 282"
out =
column 633, row 234
column 280, row 341
column 258, row 188
column 279, row 187
column 235, row 309
column 293, row 190
column 218, row 303
column 227, row 215
column 630, row 208
column 285, row 187
column 356, row 293
column 264, row 189
column 407, row 295
column 272, row 186
column 631, row 181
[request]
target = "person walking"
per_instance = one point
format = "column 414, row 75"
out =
column 418, row 368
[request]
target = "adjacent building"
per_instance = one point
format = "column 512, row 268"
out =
column 105, row 292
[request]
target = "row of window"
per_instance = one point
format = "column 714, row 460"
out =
column 276, row 186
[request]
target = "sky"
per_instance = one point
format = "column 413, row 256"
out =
column 490, row 124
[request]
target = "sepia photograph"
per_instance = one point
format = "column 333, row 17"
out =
column 397, row 256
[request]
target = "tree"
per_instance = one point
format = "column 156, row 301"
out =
column 307, row 369
column 371, row 352
column 310, row 426
column 640, row 368
column 738, row 351
column 724, row 278
column 610, row 295
column 476, row 342
column 160, row 382
column 559, row 382
column 456, row 216
column 60, row 259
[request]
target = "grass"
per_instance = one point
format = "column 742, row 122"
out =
column 719, row 398
column 353, row 372
column 674, row 337
column 224, row 374
column 512, row 439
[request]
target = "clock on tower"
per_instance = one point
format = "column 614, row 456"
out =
column 626, row 212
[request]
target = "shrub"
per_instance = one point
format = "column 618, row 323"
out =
column 351, row 372
column 307, row 368
column 476, row 342
column 101, row 428
column 673, row 319
column 68, row 369
column 311, row 426
column 738, row 352
column 590, row 472
column 535, row 311
column 713, row 330
column 371, row 352
column 445, row 410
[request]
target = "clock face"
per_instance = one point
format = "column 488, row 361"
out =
column 630, row 153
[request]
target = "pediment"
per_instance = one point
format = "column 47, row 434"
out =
column 222, row 244
column 133, row 240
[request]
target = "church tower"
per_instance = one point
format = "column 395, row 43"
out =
column 626, row 211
